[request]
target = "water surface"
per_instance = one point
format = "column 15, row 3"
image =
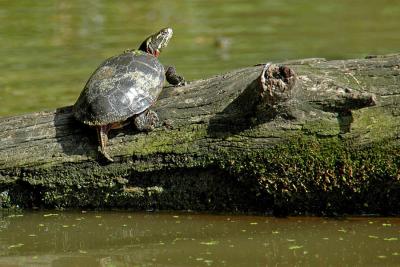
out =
column 185, row 239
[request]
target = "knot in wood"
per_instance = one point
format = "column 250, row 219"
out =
column 276, row 83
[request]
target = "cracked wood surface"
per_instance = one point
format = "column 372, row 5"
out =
column 324, row 96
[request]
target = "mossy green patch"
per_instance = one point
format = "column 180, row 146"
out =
column 323, row 175
column 175, row 141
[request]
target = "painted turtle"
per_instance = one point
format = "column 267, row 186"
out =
column 124, row 86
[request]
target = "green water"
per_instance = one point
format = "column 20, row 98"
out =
column 147, row 239
column 48, row 49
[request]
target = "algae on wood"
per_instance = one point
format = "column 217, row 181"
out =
column 331, row 146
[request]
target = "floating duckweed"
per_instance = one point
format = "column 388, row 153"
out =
column 50, row 214
column 16, row 246
column 15, row 215
column 373, row 236
column 208, row 262
column 295, row 247
column 391, row 239
column 209, row 243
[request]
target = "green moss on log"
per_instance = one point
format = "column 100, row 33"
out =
column 323, row 176
column 306, row 175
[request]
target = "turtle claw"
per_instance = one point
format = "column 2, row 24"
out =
column 106, row 156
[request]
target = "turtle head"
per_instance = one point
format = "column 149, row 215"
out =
column 156, row 42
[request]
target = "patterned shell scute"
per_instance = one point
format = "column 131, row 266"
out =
column 122, row 86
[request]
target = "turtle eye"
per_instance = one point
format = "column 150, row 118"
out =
column 167, row 31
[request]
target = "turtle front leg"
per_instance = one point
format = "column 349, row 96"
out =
column 146, row 121
column 173, row 78
column 102, row 134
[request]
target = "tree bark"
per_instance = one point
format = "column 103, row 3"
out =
column 305, row 136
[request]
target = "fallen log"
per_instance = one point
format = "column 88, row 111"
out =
column 305, row 136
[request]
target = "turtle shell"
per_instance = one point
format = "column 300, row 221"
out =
column 122, row 86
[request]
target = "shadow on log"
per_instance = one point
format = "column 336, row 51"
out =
column 305, row 136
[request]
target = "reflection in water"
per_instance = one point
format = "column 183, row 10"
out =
column 49, row 48
column 128, row 239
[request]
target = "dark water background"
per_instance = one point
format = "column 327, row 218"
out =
column 48, row 49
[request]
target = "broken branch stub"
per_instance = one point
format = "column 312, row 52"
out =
column 276, row 83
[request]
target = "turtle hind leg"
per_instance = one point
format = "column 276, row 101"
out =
column 146, row 121
column 102, row 132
